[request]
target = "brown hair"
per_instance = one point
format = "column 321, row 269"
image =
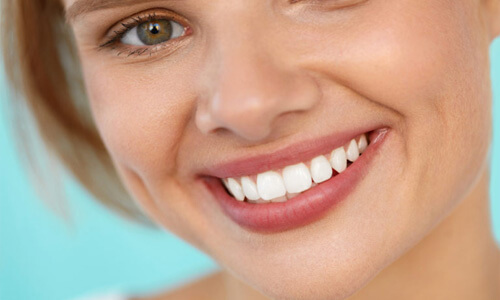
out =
column 47, row 91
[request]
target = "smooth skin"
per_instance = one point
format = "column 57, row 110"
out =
column 256, row 76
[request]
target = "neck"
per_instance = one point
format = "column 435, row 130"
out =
column 459, row 259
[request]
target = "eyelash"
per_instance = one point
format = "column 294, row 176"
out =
column 114, row 43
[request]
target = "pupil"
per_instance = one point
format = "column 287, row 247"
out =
column 154, row 28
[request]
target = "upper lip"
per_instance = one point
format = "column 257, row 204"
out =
column 288, row 155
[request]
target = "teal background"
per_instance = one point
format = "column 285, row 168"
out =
column 43, row 257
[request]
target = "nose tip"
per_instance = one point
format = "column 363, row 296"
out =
column 247, row 118
column 250, row 94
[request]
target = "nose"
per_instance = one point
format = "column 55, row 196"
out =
column 248, row 88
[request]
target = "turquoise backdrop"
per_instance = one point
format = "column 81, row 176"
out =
column 42, row 257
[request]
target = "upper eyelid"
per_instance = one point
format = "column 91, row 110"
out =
column 167, row 14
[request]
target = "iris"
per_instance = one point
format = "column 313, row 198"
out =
column 154, row 32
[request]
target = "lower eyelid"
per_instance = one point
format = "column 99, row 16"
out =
column 159, row 50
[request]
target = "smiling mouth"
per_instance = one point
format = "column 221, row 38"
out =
column 286, row 183
column 296, row 185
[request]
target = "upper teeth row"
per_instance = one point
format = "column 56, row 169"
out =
column 280, row 185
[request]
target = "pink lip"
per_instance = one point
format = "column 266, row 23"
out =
column 302, row 209
column 296, row 153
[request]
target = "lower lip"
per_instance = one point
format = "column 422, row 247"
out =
column 303, row 209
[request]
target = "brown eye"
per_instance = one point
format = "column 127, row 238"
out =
column 153, row 32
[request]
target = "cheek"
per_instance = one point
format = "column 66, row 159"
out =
column 423, row 60
column 409, row 57
column 429, row 65
column 141, row 114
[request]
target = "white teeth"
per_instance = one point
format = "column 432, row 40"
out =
column 289, row 182
column 249, row 188
column 352, row 152
column 235, row 188
column 321, row 170
column 270, row 185
column 297, row 178
column 363, row 143
column 338, row 160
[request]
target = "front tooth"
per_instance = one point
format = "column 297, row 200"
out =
column 249, row 188
column 352, row 152
column 321, row 170
column 338, row 160
column 235, row 189
column 297, row 178
column 270, row 185
column 363, row 143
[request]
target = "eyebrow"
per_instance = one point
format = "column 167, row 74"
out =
column 81, row 7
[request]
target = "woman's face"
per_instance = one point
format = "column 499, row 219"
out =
column 233, row 88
